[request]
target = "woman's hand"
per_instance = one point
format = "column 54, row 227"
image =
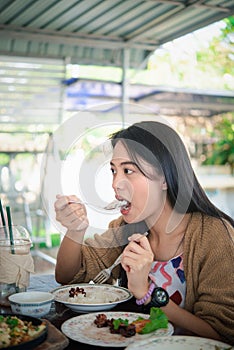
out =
column 71, row 215
column 136, row 261
column 74, row 217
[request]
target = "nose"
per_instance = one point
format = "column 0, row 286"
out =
column 119, row 183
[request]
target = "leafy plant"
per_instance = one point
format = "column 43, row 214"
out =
column 4, row 159
column 221, row 152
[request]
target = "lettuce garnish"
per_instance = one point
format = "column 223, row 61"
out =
column 158, row 319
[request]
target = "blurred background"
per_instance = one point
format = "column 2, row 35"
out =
column 121, row 61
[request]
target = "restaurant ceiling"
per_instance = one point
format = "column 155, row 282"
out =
column 97, row 31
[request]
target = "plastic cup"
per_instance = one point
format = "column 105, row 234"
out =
column 12, row 249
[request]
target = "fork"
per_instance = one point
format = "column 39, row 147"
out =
column 103, row 275
column 111, row 206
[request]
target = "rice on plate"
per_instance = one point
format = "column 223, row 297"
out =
column 87, row 297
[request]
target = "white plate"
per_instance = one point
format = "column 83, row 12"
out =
column 179, row 343
column 83, row 329
column 106, row 296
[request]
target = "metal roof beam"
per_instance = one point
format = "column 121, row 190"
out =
column 197, row 3
column 202, row 4
column 74, row 40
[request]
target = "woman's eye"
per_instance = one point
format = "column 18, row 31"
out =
column 128, row 171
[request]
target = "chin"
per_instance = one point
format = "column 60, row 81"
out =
column 130, row 219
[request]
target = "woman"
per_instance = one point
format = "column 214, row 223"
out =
column 188, row 250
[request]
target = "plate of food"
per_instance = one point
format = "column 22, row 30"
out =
column 18, row 332
column 179, row 342
column 87, row 297
column 117, row 329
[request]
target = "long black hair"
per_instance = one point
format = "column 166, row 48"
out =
column 160, row 145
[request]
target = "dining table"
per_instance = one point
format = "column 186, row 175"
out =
column 59, row 313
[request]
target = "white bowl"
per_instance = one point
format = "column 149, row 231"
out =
column 106, row 297
column 36, row 304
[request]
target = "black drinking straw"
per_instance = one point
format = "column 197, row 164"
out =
column 3, row 218
column 10, row 229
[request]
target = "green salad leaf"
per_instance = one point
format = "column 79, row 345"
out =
column 158, row 319
column 117, row 322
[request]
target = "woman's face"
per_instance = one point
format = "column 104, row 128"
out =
column 145, row 197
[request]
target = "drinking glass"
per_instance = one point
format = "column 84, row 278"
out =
column 15, row 261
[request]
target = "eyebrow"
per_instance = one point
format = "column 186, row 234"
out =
column 125, row 163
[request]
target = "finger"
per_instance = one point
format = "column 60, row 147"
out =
column 134, row 247
column 141, row 267
column 78, row 203
column 125, row 267
column 135, row 237
column 132, row 265
column 73, row 198
column 76, row 207
column 69, row 197
column 80, row 224
column 130, row 257
column 61, row 202
column 142, row 240
column 74, row 222
column 70, row 213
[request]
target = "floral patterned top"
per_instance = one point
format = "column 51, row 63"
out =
column 170, row 276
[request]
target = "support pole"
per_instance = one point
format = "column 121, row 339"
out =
column 125, row 92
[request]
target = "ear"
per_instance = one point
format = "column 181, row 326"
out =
column 164, row 184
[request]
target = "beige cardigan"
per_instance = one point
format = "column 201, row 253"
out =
column 208, row 266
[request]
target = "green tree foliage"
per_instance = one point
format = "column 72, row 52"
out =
column 221, row 152
column 219, row 57
column 196, row 61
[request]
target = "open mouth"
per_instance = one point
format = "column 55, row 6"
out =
column 124, row 205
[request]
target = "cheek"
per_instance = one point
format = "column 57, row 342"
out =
column 148, row 201
column 142, row 197
column 142, row 190
column 154, row 196
column 148, row 198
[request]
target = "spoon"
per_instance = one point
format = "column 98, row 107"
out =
column 111, row 206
